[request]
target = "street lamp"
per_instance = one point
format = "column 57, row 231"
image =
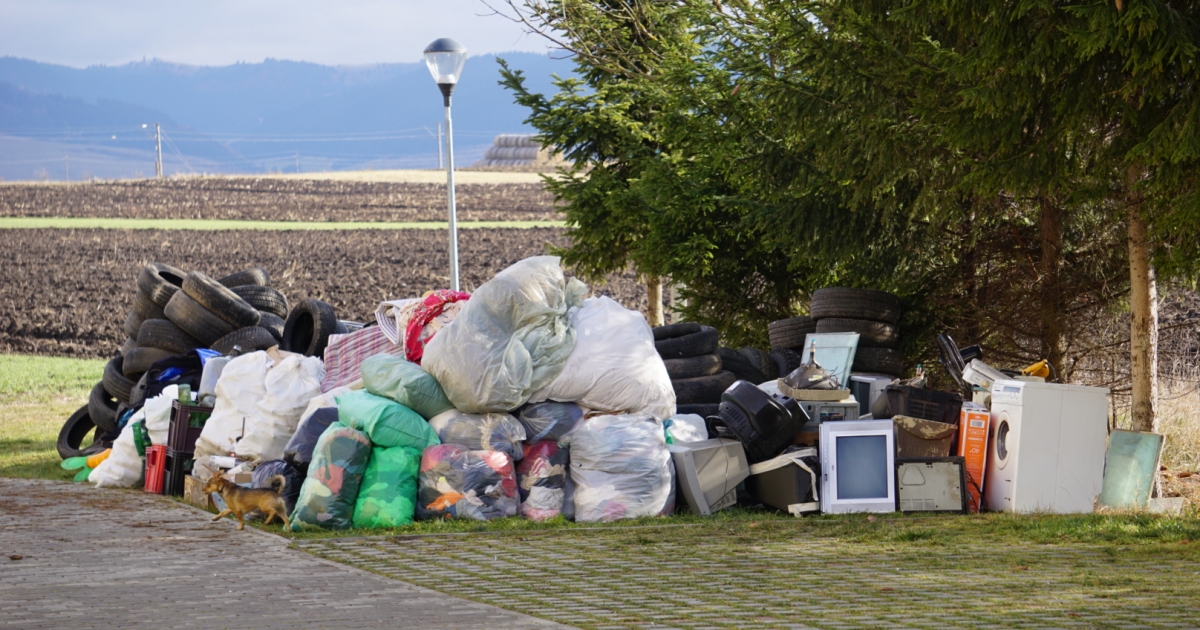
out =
column 445, row 58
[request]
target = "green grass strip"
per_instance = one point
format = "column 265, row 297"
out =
column 103, row 223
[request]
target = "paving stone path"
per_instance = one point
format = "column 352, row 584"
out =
column 124, row 559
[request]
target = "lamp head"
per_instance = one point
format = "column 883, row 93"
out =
column 445, row 58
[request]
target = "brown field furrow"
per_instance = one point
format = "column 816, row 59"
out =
column 267, row 199
column 66, row 292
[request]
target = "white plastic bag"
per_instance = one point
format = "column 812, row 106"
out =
column 481, row 432
column 509, row 340
column 686, row 427
column 267, row 397
column 620, row 468
column 124, row 467
column 614, row 367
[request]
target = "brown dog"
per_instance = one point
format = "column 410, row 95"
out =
column 239, row 501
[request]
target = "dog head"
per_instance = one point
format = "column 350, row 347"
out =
column 216, row 483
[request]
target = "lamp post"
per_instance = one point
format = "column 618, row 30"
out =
column 445, row 58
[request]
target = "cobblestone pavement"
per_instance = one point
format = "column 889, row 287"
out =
column 669, row 577
column 122, row 559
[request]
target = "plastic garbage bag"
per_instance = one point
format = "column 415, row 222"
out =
column 621, row 469
column 329, row 493
column 406, row 383
column 387, row 423
column 456, row 482
column 299, row 449
column 388, row 495
column 265, row 397
column 549, row 420
column 481, row 432
column 124, row 467
column 510, row 340
column 614, row 367
column 542, row 479
column 685, row 427
column 293, row 480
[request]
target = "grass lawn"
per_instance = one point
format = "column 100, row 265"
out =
column 36, row 396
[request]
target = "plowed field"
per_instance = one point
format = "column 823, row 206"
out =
column 66, row 292
column 271, row 199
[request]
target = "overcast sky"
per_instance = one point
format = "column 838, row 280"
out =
column 80, row 33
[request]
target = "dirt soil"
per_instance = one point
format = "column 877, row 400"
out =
column 67, row 292
column 271, row 199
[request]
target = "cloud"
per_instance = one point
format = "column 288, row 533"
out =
column 80, row 33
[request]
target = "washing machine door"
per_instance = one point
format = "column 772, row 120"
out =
column 1002, row 460
column 1004, row 439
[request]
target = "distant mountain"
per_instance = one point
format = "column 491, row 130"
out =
column 258, row 117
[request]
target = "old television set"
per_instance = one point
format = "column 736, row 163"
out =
column 858, row 466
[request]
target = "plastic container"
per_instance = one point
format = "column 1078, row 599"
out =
column 919, row 438
column 182, row 434
column 212, row 372
column 156, row 468
column 175, row 474
column 926, row 404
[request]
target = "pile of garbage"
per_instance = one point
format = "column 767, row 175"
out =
column 526, row 398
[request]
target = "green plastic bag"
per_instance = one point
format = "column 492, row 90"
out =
column 387, row 423
column 406, row 383
column 329, row 493
column 388, row 495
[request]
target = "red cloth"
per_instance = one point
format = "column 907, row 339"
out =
column 431, row 307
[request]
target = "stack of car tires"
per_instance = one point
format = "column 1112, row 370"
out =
column 874, row 315
column 689, row 351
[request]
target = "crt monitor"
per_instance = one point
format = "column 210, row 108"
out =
column 858, row 466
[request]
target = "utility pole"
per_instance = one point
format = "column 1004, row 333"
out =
column 67, row 162
column 158, row 171
column 297, row 161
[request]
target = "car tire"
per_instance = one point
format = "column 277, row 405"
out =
column 72, row 434
column 733, row 361
column 146, row 309
column 855, row 304
column 691, row 367
column 871, row 334
column 164, row 335
column 140, row 359
column 252, row 276
column 273, row 323
column 129, row 344
column 701, row 342
column 264, row 299
column 702, row 389
column 790, row 333
column 159, row 281
column 133, row 323
column 760, row 359
column 786, row 361
column 670, row 331
column 249, row 339
column 308, row 328
column 703, row 411
column 196, row 320
column 219, row 300
column 114, row 379
column 102, row 408
column 879, row 361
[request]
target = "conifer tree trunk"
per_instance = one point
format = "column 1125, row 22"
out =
column 654, row 295
column 1143, row 324
column 1052, row 313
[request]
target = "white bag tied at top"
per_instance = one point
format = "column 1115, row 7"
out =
column 510, row 340
column 268, row 397
column 614, row 367
column 123, row 468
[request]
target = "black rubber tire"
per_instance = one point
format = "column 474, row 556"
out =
column 133, row 323
column 102, row 408
column 703, row 411
column 145, row 309
column 879, row 361
column 273, row 323
column 254, row 275
column 264, row 299
column 690, row 345
column 702, row 389
column 219, row 300
column 308, row 328
column 137, row 395
column 855, row 304
column 250, row 339
column 159, row 281
column 72, row 434
column 129, row 344
column 871, row 334
column 760, row 359
column 140, row 359
column 691, row 367
column 114, row 380
column 733, row 361
column 162, row 334
column 790, row 333
column 196, row 320
column 786, row 361
column 671, row 331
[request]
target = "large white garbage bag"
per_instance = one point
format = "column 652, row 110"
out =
column 510, row 340
column 124, row 466
column 614, row 367
column 266, row 396
column 621, row 468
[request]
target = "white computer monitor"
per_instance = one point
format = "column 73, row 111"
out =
column 858, row 466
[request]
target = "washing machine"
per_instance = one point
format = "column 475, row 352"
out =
column 1046, row 447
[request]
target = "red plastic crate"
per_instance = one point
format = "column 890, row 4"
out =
column 156, row 468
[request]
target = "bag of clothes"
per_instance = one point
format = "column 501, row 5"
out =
column 387, row 423
column 621, row 469
column 388, row 495
column 481, row 432
column 456, row 482
column 549, row 420
column 406, row 383
column 329, row 494
column 542, row 480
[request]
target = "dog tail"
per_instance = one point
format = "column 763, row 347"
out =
column 278, row 483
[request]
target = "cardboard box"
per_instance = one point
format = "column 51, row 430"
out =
column 708, row 473
column 787, row 482
column 193, row 492
column 973, row 424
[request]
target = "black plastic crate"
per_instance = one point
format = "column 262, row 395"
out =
column 926, row 404
column 181, row 436
column 179, row 466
